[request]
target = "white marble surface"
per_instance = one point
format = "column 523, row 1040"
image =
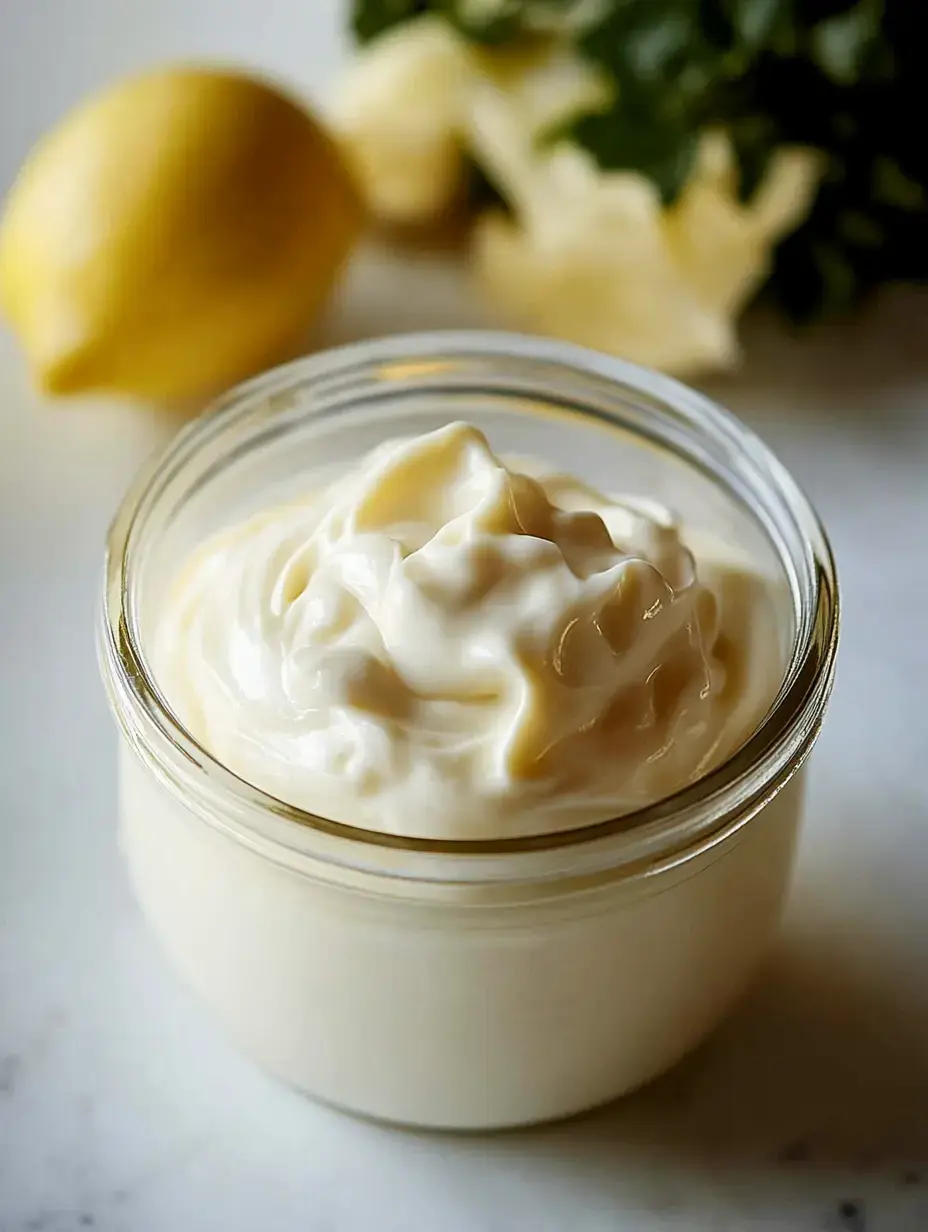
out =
column 122, row 1109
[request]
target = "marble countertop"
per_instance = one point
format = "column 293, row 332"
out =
column 122, row 1109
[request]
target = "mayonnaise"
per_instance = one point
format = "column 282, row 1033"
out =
column 441, row 644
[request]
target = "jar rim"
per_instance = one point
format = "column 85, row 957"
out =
column 671, row 828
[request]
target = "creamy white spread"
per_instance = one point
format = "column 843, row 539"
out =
column 442, row 644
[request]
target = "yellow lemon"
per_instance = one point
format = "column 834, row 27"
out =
column 173, row 235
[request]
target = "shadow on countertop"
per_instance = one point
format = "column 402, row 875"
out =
column 825, row 1062
column 842, row 373
column 817, row 1088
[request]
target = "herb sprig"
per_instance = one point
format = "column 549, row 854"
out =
column 843, row 76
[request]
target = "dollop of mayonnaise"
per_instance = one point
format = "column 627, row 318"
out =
column 438, row 644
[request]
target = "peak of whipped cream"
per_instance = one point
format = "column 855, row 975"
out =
column 440, row 644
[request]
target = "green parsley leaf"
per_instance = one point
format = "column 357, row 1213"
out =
column 665, row 155
column 371, row 18
column 842, row 44
column 753, row 21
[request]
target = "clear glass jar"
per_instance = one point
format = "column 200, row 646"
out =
column 461, row 984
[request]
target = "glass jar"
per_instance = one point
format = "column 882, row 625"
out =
column 465, row 984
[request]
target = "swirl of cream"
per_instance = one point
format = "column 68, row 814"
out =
column 440, row 645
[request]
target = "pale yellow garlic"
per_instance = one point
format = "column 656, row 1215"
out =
column 595, row 258
column 400, row 112
column 588, row 255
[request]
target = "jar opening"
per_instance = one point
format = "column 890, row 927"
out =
column 555, row 380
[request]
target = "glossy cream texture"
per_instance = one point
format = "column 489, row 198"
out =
column 442, row 644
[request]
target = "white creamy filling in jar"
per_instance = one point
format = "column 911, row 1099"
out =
column 442, row 644
column 440, row 641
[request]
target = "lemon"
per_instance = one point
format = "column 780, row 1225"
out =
column 173, row 235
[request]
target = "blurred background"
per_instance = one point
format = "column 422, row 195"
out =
column 121, row 1109
column 56, row 52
